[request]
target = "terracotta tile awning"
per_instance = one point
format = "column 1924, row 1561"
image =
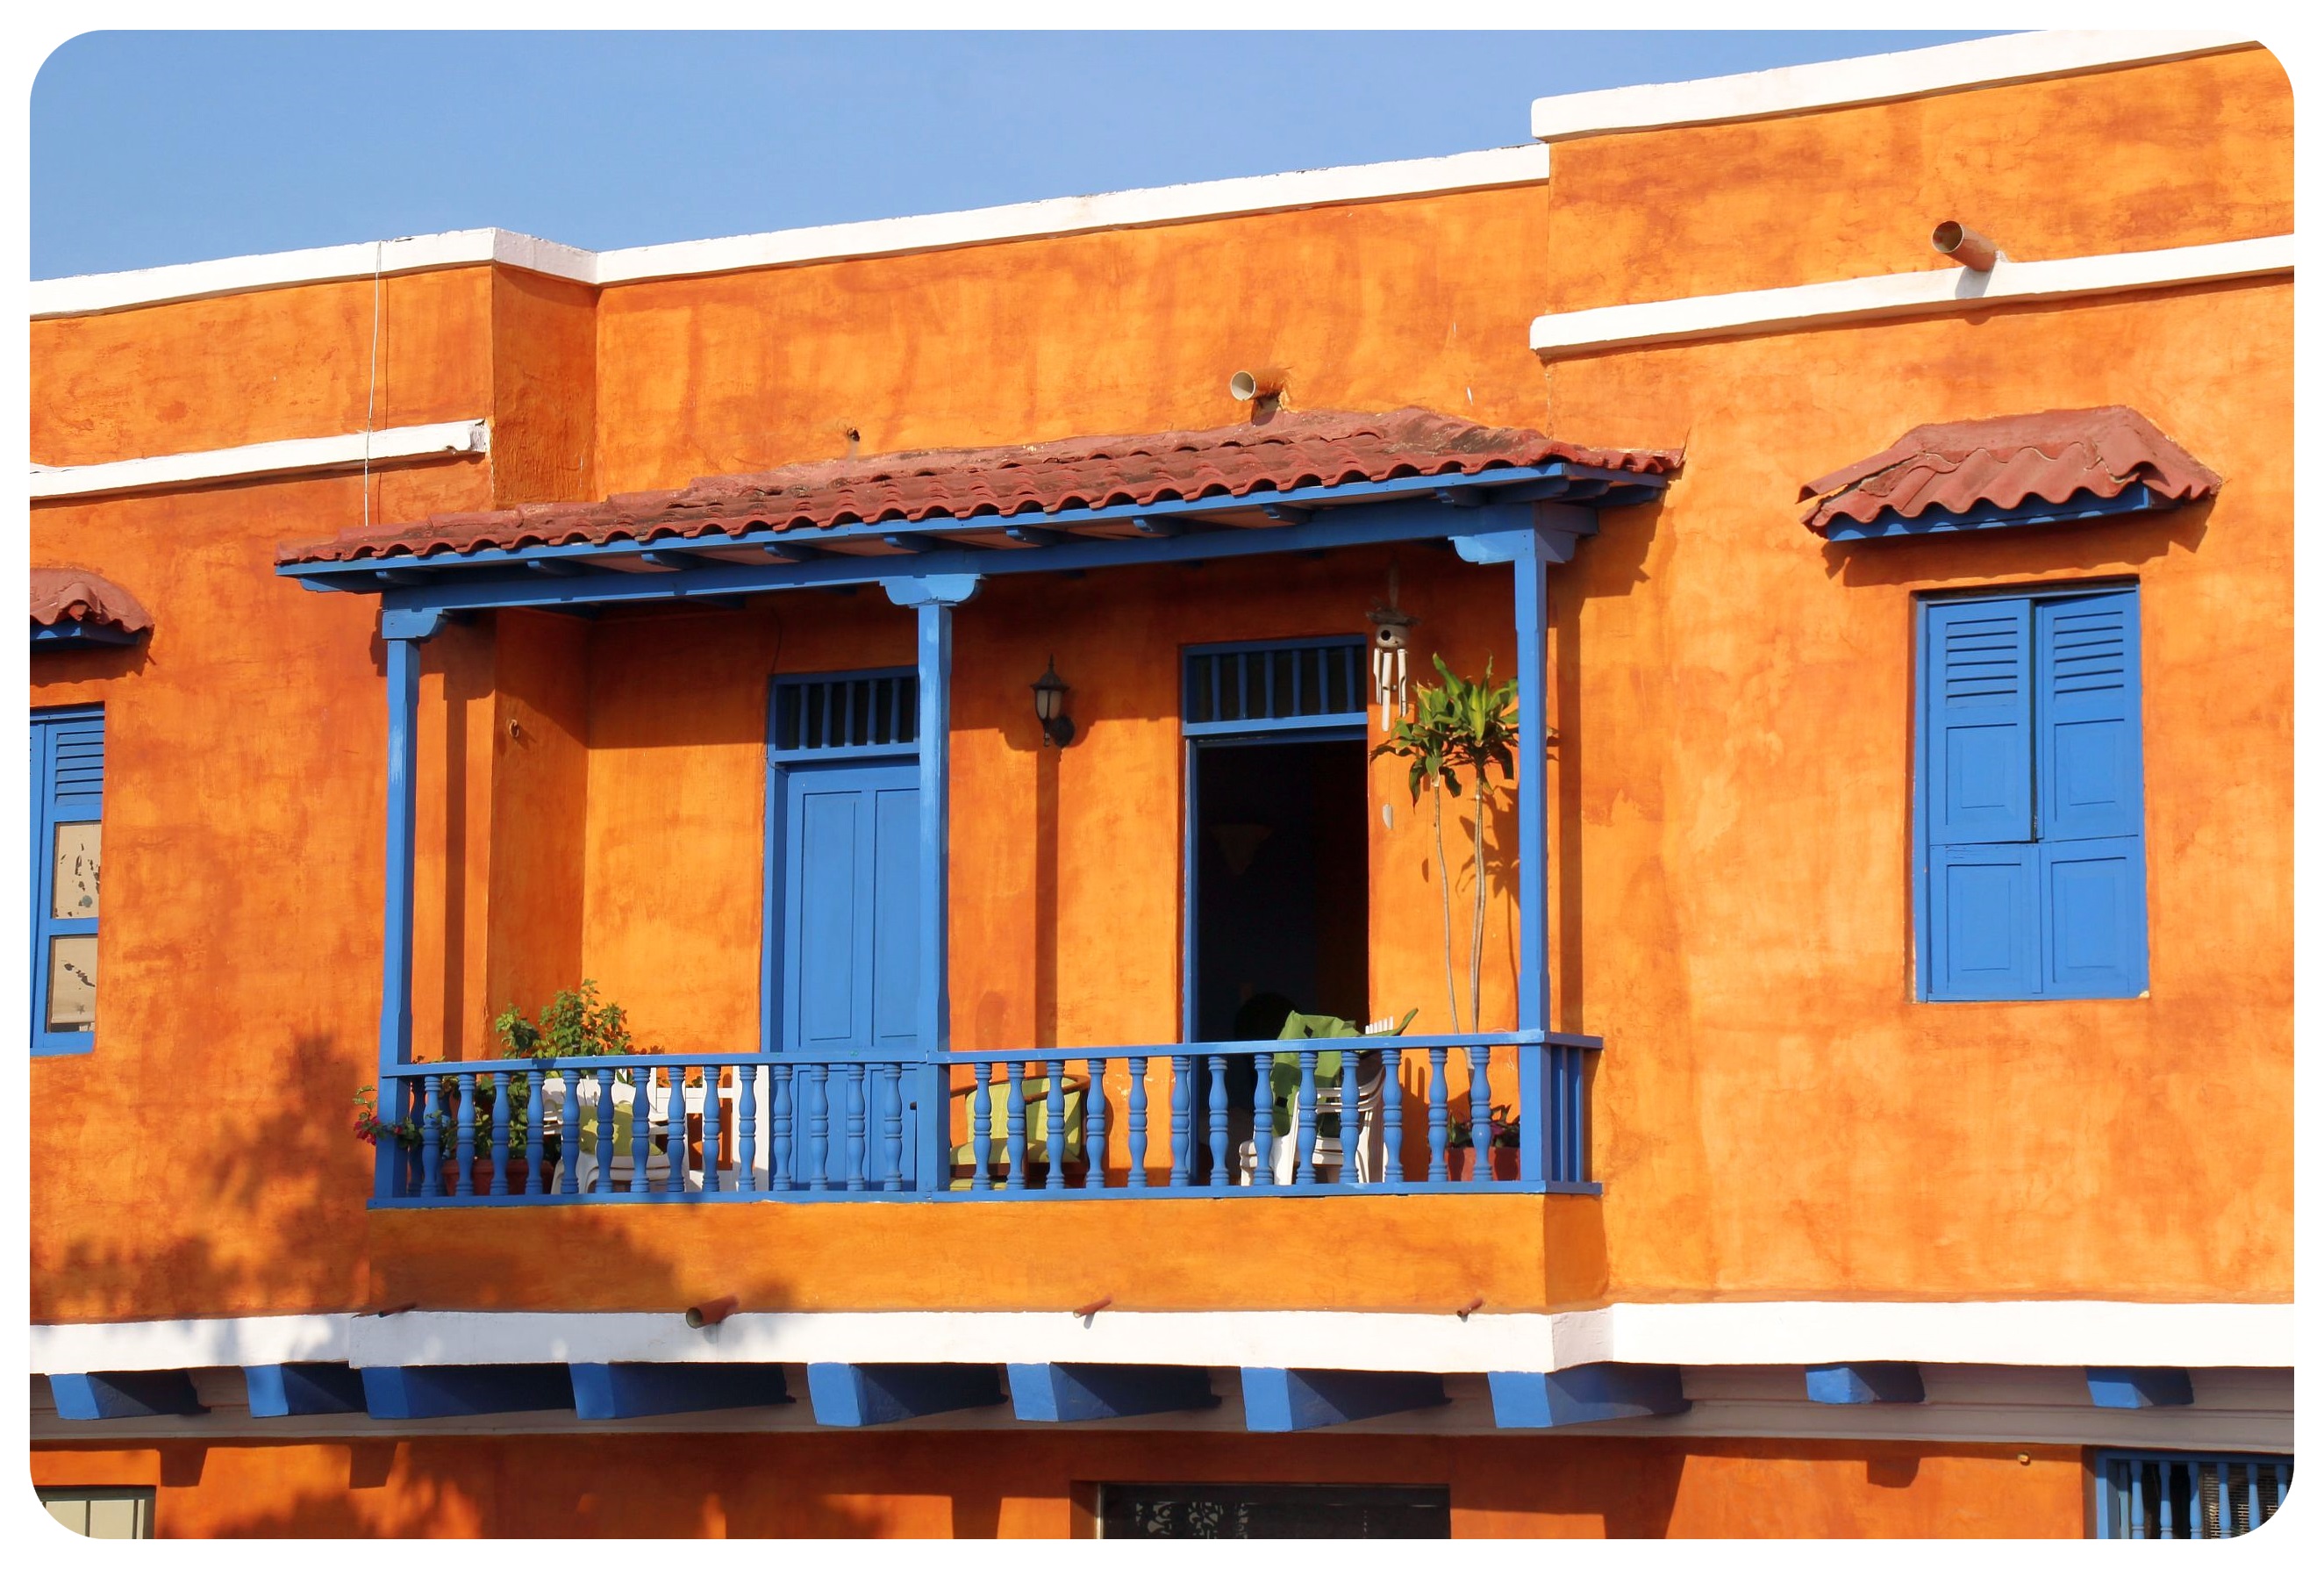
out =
column 2055, row 457
column 1291, row 451
column 73, row 597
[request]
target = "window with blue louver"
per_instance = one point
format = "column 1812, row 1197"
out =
column 68, row 791
column 2031, row 807
column 2148, row 1495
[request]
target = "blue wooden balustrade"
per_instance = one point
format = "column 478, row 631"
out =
column 1113, row 1122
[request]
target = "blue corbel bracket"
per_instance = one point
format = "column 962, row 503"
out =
column 407, row 625
column 2136, row 1388
column 304, row 1389
column 1596, row 1392
column 1094, row 1392
column 103, row 1397
column 937, row 588
column 1865, row 1384
column 1557, row 531
column 605, row 1391
column 1296, row 1400
column 865, row 1394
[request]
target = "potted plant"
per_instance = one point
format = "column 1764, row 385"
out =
column 1460, row 1148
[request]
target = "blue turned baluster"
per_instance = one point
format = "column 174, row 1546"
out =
column 1391, row 1114
column 499, row 1139
column 713, row 1114
column 641, row 1126
column 675, row 1181
column 1303, row 1174
column 781, row 1173
column 1220, row 1175
column 1015, row 1181
column 1439, row 1130
column 536, row 1137
column 465, row 1139
column 1480, row 1113
column 605, row 1129
column 1136, row 1176
column 1182, row 1132
column 746, row 1160
column 432, row 1138
column 1262, row 1122
column 980, row 1128
column 1056, row 1122
column 855, row 1153
column 1094, row 1136
column 892, row 1179
column 568, row 1178
column 817, row 1095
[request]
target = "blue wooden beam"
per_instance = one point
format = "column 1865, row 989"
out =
column 1295, row 1400
column 865, row 1394
column 304, row 1389
column 1094, row 1392
column 411, row 1394
column 1595, row 1392
column 1032, row 534
column 67, row 635
column 911, row 544
column 782, row 551
column 1890, row 525
column 676, row 560
column 2136, row 1388
column 1865, row 1384
column 99, row 1397
column 604, row 1391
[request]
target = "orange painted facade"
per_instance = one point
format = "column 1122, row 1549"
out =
column 1775, row 1116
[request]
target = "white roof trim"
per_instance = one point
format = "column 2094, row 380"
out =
column 2070, row 1334
column 1365, row 183
column 1895, row 294
column 1982, row 62
column 320, row 452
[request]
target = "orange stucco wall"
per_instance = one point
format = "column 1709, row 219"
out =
column 1041, row 1485
column 1773, row 1116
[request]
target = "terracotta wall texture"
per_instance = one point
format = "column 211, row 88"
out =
column 1775, row 1116
column 1044, row 1485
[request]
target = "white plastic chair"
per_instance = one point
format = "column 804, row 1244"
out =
column 1328, row 1157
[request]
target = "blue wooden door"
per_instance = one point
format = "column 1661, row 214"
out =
column 851, row 907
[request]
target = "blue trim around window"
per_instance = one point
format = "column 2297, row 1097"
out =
column 2157, row 1495
column 2033, row 510
column 1295, row 684
column 2051, row 880
column 67, row 787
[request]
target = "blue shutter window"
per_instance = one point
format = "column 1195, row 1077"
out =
column 67, row 788
column 2030, row 821
column 2148, row 1496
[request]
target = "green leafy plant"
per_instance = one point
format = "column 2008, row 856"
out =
column 573, row 1023
column 369, row 1127
column 1455, row 727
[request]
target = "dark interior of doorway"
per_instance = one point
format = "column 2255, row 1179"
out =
column 1282, row 895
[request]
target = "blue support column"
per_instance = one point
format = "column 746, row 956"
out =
column 1597, row 1392
column 2136, row 1388
column 304, row 1389
column 932, row 599
column 1295, row 1400
column 395, row 942
column 1865, row 1384
column 1094, row 1391
column 411, row 1394
column 99, row 1397
column 862, row 1395
column 603, row 1391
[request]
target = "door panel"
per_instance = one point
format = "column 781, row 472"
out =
column 850, row 909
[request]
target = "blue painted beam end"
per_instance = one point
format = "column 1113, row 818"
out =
column 606, row 1391
column 413, row 1394
column 1865, row 1384
column 1295, row 1400
column 1597, row 1392
column 304, row 1389
column 2136, row 1388
column 1093, row 1392
column 865, row 1394
column 102, row 1396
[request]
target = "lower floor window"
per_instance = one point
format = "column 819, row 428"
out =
column 113, row 1513
column 2146, row 1496
column 1307, row 1512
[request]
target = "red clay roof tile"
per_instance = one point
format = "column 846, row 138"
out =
column 1289, row 451
column 61, row 594
column 2054, row 455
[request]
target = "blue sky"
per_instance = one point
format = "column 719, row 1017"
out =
column 150, row 148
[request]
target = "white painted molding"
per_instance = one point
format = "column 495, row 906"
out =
column 1897, row 294
column 264, row 457
column 1692, row 1335
column 1948, row 67
column 1365, row 183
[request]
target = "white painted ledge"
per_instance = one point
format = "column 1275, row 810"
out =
column 1899, row 294
column 1949, row 68
column 1691, row 1335
column 1367, row 182
column 312, row 455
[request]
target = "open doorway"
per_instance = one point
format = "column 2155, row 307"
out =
column 1280, row 895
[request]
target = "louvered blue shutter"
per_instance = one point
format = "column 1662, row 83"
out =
column 2089, row 785
column 67, row 788
column 1981, row 876
column 851, row 911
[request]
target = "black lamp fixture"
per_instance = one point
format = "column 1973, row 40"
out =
column 1049, row 707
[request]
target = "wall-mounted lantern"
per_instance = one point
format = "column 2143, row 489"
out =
column 1049, row 707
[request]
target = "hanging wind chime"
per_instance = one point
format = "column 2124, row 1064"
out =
column 1391, row 637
